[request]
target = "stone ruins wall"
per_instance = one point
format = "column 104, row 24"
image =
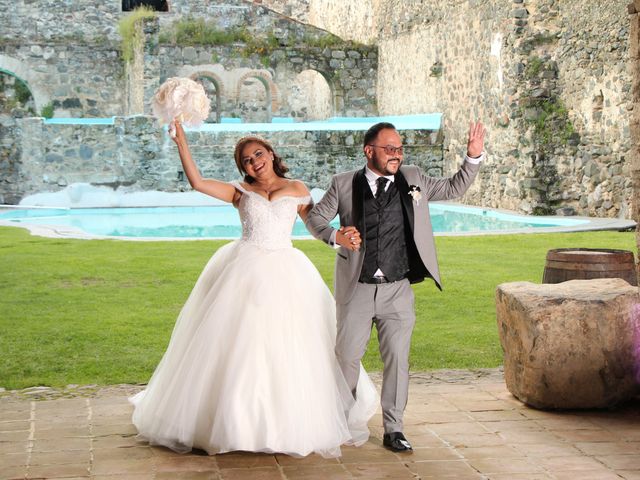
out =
column 355, row 20
column 133, row 154
column 548, row 77
column 69, row 55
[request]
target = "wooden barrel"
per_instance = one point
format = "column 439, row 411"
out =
column 587, row 263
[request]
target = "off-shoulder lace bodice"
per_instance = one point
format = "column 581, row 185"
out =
column 266, row 223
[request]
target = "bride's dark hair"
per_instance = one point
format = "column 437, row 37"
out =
column 279, row 166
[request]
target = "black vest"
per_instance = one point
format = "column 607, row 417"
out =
column 385, row 240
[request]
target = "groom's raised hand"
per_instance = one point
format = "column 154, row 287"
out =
column 475, row 142
column 349, row 237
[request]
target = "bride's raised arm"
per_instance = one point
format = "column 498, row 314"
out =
column 216, row 188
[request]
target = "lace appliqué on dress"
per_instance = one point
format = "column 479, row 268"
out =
column 268, row 223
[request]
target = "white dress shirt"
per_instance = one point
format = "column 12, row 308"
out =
column 372, row 178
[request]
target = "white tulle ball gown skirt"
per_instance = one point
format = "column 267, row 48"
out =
column 251, row 364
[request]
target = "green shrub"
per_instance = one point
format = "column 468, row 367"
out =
column 23, row 94
column 127, row 29
column 47, row 111
column 261, row 46
column 534, row 67
column 324, row 41
column 195, row 31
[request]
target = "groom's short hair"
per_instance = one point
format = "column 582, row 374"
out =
column 372, row 133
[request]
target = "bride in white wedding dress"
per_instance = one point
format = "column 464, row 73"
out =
column 250, row 365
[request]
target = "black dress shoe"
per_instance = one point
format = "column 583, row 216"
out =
column 396, row 442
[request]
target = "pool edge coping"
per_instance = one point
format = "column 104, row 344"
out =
column 591, row 224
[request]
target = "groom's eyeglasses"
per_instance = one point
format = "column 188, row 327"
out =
column 390, row 149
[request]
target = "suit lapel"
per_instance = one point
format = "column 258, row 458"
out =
column 407, row 203
column 359, row 184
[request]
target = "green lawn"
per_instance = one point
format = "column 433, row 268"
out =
column 102, row 311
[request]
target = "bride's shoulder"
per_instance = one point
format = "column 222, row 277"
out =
column 298, row 187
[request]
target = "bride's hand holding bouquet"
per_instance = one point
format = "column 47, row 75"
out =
column 176, row 132
column 180, row 100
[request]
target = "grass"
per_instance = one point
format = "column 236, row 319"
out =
column 102, row 311
column 191, row 31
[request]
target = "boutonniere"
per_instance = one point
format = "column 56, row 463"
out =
column 414, row 191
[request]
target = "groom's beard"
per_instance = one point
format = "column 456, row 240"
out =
column 386, row 167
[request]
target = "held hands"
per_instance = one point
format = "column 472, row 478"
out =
column 475, row 143
column 349, row 237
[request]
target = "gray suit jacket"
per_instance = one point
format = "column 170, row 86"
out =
column 345, row 197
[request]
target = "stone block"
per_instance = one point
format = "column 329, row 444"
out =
column 189, row 53
column 569, row 345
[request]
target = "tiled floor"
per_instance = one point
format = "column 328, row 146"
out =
column 461, row 430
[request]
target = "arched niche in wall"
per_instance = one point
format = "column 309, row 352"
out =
column 15, row 96
column 257, row 97
column 29, row 77
column 311, row 97
column 214, row 88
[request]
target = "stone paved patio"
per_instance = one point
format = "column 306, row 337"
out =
column 463, row 425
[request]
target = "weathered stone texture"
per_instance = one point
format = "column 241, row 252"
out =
column 595, row 86
column 353, row 20
column 548, row 77
column 510, row 63
column 71, row 57
column 10, row 158
column 79, row 80
column 634, row 154
column 498, row 58
column 134, row 155
column 572, row 344
column 247, row 89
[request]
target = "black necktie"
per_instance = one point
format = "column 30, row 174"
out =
column 381, row 182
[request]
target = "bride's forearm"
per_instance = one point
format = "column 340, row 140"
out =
column 189, row 166
column 215, row 188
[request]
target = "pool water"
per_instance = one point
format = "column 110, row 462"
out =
column 224, row 222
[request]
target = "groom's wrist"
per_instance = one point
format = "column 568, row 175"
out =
column 332, row 239
column 475, row 160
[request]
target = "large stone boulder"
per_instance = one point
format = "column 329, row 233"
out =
column 571, row 344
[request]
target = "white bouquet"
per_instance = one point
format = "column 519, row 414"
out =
column 182, row 99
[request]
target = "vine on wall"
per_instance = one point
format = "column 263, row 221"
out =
column 127, row 29
column 544, row 112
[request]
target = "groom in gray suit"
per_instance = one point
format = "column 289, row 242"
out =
column 385, row 242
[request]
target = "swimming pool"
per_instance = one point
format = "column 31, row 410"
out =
column 223, row 221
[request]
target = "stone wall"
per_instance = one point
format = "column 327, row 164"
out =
column 298, row 10
column 310, row 96
column 133, row 155
column 69, row 56
column 634, row 153
column 10, row 159
column 44, row 21
column 594, row 83
column 548, row 77
column 79, row 80
column 328, row 14
column 348, row 72
column 533, row 72
column 67, row 53
column 355, row 20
